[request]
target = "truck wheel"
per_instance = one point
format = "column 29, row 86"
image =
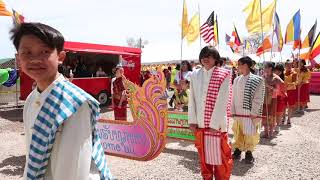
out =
column 103, row 98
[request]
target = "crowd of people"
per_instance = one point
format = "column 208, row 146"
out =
column 61, row 141
column 256, row 98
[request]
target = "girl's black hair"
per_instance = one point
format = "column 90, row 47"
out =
column 188, row 64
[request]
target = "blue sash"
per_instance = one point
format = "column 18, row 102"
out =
column 64, row 100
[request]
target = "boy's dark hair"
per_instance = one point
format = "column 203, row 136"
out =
column 269, row 65
column 50, row 36
column 246, row 60
column 209, row 51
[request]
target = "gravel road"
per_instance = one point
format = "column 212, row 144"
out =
column 293, row 154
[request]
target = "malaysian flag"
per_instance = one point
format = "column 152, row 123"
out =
column 207, row 30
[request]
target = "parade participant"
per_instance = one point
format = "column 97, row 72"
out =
column 281, row 97
column 174, row 72
column 184, row 73
column 248, row 95
column 59, row 118
column 296, row 70
column 209, row 106
column 182, row 96
column 304, row 77
column 270, row 102
column 290, row 82
column 119, row 96
column 167, row 75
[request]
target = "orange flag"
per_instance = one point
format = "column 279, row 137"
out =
column 3, row 10
column 265, row 46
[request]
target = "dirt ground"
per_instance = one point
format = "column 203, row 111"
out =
column 293, row 154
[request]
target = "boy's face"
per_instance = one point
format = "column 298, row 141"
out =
column 242, row 67
column 37, row 60
column 184, row 84
column 208, row 62
column 268, row 71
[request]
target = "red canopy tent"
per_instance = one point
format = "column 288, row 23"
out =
column 99, row 48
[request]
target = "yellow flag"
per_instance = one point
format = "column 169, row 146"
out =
column 253, row 21
column 3, row 10
column 248, row 8
column 193, row 29
column 184, row 22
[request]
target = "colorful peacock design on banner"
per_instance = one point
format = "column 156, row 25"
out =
column 144, row 138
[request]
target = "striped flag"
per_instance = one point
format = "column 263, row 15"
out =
column 307, row 43
column 228, row 42
column 235, row 41
column 277, row 31
column 207, row 29
column 315, row 50
column 235, row 34
column 17, row 18
column 293, row 29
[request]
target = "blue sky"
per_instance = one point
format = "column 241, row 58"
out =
column 158, row 21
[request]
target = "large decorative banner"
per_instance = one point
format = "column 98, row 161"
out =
column 144, row 138
column 178, row 126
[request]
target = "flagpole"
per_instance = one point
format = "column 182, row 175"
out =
column 217, row 26
column 199, row 25
column 181, row 38
column 299, row 74
column 299, row 86
column 16, row 68
column 264, row 59
column 181, row 49
column 275, row 8
column 243, row 48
